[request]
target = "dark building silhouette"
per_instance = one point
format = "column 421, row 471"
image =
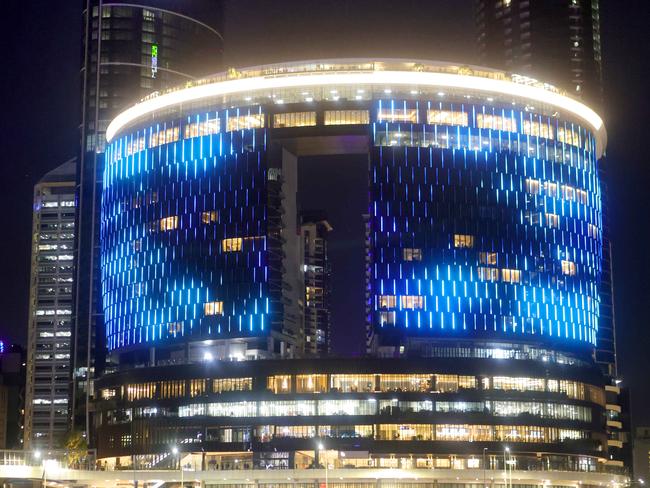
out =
column 316, row 269
column 554, row 40
column 12, row 395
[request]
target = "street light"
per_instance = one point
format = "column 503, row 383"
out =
column 484, row 451
column 52, row 465
column 320, row 448
column 505, row 466
column 176, row 452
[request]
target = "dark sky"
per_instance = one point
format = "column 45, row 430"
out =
column 39, row 112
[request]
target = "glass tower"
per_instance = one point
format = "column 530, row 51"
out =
column 50, row 309
column 129, row 51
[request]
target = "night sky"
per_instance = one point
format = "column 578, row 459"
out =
column 40, row 44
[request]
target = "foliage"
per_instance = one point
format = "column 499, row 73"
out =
column 76, row 446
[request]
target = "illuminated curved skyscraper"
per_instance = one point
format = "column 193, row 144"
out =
column 483, row 259
column 484, row 207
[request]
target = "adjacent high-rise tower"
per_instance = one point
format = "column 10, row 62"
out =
column 129, row 51
column 554, row 40
column 50, row 309
column 314, row 231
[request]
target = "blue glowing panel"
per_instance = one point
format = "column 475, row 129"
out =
column 485, row 222
column 183, row 247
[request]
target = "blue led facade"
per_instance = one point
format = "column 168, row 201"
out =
column 169, row 271
column 484, row 221
column 481, row 232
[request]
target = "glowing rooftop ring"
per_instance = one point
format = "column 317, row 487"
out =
column 383, row 78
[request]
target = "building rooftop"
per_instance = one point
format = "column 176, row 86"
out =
column 419, row 77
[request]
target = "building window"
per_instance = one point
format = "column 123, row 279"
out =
column 582, row 196
column 568, row 192
column 568, row 136
column 294, row 119
column 233, row 244
column 169, row 223
column 352, row 382
column 489, row 258
column 171, row 389
column 397, row 115
column 346, row 117
column 488, row 274
column 447, row 117
column 550, row 189
column 311, row 383
column 164, row 136
column 240, row 122
column 209, row 217
column 463, row 241
column 197, row 388
column 533, row 187
column 405, row 382
column 534, row 128
column 135, row 146
column 140, row 391
column 568, row 268
column 412, row 302
column 412, row 254
column 510, row 275
column 517, row 384
column 231, row 409
column 290, row 408
column 279, row 383
column 346, row 407
column 387, row 318
column 313, row 295
column 553, row 220
column 202, row 128
column 387, row 301
column 295, row 431
column 496, row 122
column 174, row 328
column 405, row 432
column 213, row 308
column 446, row 383
column 108, row 393
column 232, row 384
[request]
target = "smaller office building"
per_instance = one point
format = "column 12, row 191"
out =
column 50, row 309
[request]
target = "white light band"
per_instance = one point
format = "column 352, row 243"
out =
column 383, row 78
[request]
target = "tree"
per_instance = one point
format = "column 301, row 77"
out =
column 76, row 447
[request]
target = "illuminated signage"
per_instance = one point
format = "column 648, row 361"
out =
column 154, row 60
